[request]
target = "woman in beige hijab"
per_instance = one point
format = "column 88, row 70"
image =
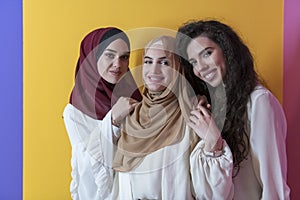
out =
column 157, row 150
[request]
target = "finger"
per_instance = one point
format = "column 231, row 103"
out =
column 133, row 105
column 196, row 113
column 204, row 111
column 193, row 119
column 197, row 117
column 190, row 124
column 201, row 103
column 202, row 100
column 208, row 106
column 131, row 101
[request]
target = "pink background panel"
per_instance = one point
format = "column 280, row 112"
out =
column 291, row 91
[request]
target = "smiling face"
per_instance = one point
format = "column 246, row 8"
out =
column 207, row 60
column 113, row 63
column 157, row 68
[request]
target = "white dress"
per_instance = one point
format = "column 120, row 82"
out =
column 173, row 172
column 263, row 174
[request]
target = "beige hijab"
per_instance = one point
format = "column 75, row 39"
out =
column 159, row 120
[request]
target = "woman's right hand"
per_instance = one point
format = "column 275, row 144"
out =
column 202, row 122
column 201, row 100
column 121, row 109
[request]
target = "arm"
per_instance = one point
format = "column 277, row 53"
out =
column 93, row 146
column 267, row 140
column 88, row 167
column 107, row 136
column 212, row 175
column 211, row 160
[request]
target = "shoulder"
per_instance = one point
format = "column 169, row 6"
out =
column 263, row 96
column 68, row 108
column 264, row 103
column 71, row 113
column 78, row 122
column 259, row 91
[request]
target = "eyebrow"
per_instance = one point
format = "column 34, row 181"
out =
column 148, row 57
column 114, row 51
column 201, row 52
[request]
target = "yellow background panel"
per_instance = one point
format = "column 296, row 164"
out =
column 52, row 34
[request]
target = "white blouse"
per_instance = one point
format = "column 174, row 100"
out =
column 176, row 172
column 263, row 174
column 173, row 172
column 92, row 154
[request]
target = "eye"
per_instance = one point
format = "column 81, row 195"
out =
column 110, row 55
column 164, row 62
column 124, row 57
column 148, row 62
column 193, row 62
column 207, row 53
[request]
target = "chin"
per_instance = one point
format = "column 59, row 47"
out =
column 156, row 88
column 214, row 83
column 113, row 81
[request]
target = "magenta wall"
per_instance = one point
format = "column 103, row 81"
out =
column 291, row 91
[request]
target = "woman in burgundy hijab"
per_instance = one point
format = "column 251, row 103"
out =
column 95, row 109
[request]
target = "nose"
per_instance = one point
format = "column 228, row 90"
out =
column 117, row 63
column 155, row 68
column 201, row 65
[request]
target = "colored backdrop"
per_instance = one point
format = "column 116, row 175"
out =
column 291, row 92
column 11, row 100
column 52, row 32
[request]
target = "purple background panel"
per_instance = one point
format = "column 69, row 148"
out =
column 11, row 100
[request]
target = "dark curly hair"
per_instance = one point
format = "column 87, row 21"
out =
column 240, row 80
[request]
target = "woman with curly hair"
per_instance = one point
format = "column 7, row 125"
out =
column 244, row 113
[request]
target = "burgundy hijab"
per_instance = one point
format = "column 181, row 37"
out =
column 91, row 94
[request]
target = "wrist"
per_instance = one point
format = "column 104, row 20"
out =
column 212, row 154
column 216, row 151
column 215, row 146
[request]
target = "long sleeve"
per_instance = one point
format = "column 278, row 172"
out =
column 101, row 147
column 212, row 176
column 268, row 149
column 74, row 175
column 92, row 175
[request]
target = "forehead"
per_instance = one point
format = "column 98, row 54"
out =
column 198, row 44
column 155, row 51
column 201, row 42
column 118, row 45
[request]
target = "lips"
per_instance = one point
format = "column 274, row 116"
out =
column 210, row 74
column 115, row 73
column 155, row 79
